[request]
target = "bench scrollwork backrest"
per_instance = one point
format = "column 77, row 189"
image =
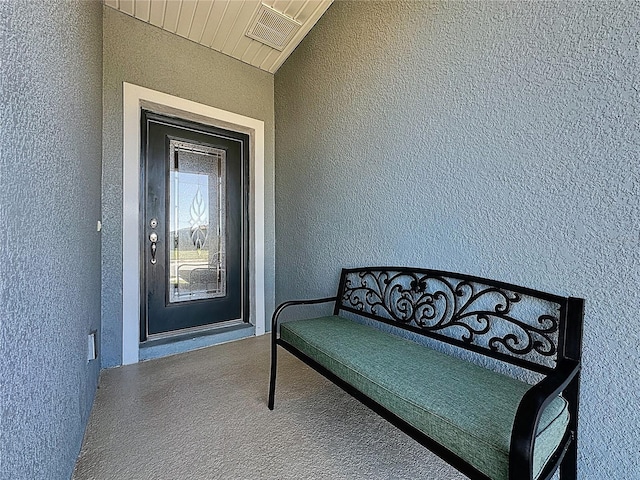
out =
column 515, row 324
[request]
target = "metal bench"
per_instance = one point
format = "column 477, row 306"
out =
column 483, row 373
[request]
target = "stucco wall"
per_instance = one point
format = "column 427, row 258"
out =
column 50, row 168
column 498, row 139
column 141, row 54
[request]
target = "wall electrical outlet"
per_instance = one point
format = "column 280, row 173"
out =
column 92, row 351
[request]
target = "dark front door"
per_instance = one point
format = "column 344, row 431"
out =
column 194, row 225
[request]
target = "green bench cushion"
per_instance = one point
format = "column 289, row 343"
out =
column 462, row 406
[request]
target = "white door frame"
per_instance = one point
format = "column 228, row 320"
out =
column 135, row 98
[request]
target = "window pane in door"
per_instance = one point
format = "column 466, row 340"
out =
column 197, row 263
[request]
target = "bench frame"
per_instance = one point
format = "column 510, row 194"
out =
column 563, row 377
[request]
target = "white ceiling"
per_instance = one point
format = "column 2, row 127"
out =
column 221, row 24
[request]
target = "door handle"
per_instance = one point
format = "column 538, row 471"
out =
column 153, row 238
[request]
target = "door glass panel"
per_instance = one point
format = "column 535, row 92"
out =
column 197, row 263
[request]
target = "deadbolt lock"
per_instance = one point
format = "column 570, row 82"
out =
column 153, row 223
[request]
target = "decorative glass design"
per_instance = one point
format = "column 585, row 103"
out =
column 197, row 262
column 199, row 220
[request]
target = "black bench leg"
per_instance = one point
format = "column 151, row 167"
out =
column 569, row 465
column 274, row 365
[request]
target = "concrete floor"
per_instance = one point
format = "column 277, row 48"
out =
column 203, row 415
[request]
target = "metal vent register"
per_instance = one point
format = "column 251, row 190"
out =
column 272, row 28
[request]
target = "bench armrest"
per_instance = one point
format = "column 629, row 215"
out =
column 282, row 306
column 274, row 335
column 525, row 425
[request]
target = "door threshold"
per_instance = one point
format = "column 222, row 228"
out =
column 185, row 342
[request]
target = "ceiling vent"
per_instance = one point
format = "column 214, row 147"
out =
column 272, row 28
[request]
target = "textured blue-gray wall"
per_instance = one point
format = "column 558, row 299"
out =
column 50, row 168
column 497, row 139
column 144, row 55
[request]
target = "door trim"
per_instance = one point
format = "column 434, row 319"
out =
column 134, row 99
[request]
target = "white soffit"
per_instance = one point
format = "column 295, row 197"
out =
column 222, row 24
